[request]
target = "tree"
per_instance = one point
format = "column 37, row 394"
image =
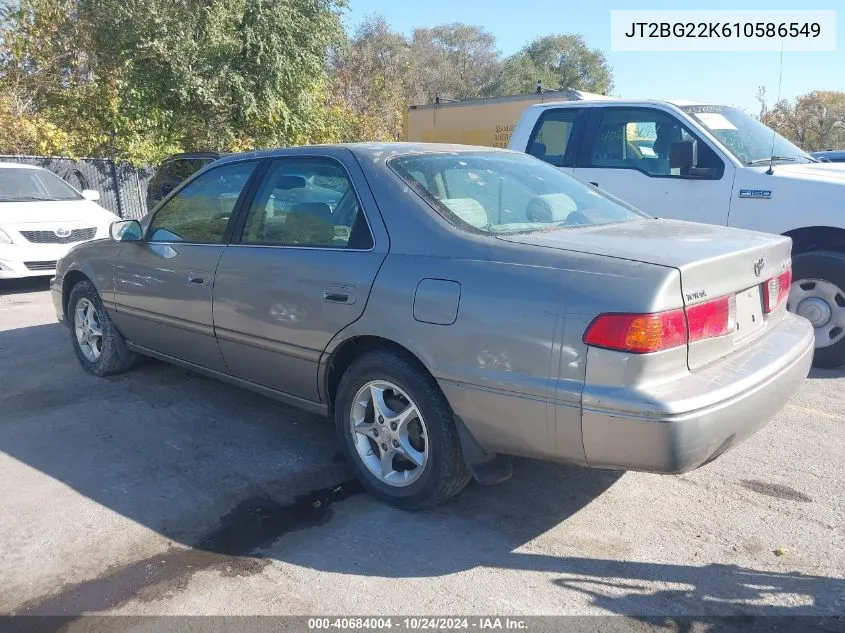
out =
column 560, row 62
column 380, row 72
column 761, row 99
column 454, row 61
column 372, row 72
column 814, row 121
column 143, row 78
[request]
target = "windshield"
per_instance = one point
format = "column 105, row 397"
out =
column 25, row 185
column 744, row 136
column 506, row 192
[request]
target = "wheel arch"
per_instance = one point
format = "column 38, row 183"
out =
column 71, row 279
column 351, row 349
column 817, row 238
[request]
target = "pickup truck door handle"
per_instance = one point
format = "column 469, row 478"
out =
column 595, row 184
column 340, row 294
column 196, row 278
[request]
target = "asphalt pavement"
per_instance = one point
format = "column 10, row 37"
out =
column 163, row 492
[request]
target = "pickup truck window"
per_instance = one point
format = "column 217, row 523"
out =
column 640, row 138
column 744, row 136
column 551, row 135
column 506, row 192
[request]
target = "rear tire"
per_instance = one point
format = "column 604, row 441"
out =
column 100, row 348
column 818, row 294
column 427, row 466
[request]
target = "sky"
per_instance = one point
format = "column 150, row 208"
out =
column 721, row 77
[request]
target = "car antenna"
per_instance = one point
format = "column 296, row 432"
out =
column 771, row 169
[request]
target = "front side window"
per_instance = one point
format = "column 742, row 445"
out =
column 26, row 185
column 745, row 137
column 307, row 202
column 506, row 192
column 641, row 138
column 200, row 211
column 551, row 136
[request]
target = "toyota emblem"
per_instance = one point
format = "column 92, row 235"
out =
column 759, row 265
column 62, row 232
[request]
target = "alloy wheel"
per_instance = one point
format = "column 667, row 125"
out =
column 389, row 433
column 89, row 333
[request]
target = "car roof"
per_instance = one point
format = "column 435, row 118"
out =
column 20, row 166
column 679, row 103
column 373, row 151
column 187, row 155
column 838, row 153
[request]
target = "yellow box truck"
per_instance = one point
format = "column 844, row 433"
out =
column 486, row 122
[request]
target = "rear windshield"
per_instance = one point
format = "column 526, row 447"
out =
column 25, row 185
column 506, row 192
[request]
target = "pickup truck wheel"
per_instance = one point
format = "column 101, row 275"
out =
column 818, row 294
column 398, row 432
column 99, row 347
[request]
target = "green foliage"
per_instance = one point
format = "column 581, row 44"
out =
column 143, row 79
column 814, row 121
column 455, row 61
column 560, row 62
column 371, row 80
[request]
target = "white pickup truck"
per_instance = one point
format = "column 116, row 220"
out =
column 713, row 164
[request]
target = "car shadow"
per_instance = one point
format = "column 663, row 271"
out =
column 817, row 372
column 24, row 285
column 234, row 480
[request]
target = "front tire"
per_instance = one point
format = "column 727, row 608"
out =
column 99, row 347
column 818, row 294
column 398, row 431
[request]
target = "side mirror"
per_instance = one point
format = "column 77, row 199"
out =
column 683, row 155
column 126, row 231
column 91, row 194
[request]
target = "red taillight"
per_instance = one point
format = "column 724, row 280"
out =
column 776, row 290
column 638, row 333
column 712, row 318
column 643, row 333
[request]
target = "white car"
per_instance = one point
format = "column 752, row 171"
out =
column 41, row 218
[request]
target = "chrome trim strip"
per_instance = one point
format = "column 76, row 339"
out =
column 182, row 324
column 268, row 345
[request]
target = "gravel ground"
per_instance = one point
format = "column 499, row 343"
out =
column 163, row 492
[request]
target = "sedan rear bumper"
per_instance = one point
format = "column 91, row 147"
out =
column 672, row 428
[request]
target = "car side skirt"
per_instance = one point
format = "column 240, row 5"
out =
column 300, row 403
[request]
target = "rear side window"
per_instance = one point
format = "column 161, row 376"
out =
column 552, row 134
column 200, row 212
column 506, row 192
column 307, row 202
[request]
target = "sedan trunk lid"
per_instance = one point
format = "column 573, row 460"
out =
column 713, row 261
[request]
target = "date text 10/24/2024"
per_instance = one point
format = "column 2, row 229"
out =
column 492, row 623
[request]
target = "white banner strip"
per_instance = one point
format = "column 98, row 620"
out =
column 747, row 30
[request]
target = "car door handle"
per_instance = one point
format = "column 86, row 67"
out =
column 196, row 279
column 339, row 294
column 595, row 184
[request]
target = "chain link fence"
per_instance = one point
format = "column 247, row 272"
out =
column 122, row 187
